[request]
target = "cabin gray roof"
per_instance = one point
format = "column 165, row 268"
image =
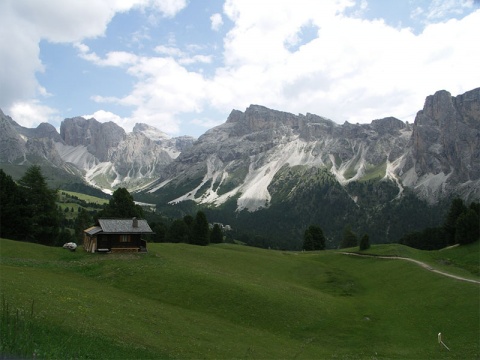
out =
column 124, row 226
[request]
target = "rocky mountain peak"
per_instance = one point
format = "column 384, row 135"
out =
column 446, row 141
column 97, row 137
column 46, row 130
column 12, row 145
column 150, row 131
column 388, row 125
column 258, row 118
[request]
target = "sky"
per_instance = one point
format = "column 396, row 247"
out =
column 184, row 65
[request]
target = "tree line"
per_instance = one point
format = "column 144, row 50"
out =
column 461, row 226
column 29, row 211
column 190, row 230
column 313, row 239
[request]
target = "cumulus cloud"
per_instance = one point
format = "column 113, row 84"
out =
column 439, row 9
column 216, row 21
column 25, row 23
column 32, row 113
column 164, row 89
column 347, row 68
column 106, row 116
column 353, row 70
column 113, row 58
column 168, row 8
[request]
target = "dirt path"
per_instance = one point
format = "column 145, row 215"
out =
column 422, row 264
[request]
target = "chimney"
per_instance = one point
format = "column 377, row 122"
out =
column 135, row 222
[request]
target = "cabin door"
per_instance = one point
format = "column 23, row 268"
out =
column 103, row 242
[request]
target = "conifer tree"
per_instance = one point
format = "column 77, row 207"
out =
column 349, row 238
column 364, row 242
column 82, row 222
column 308, row 241
column 41, row 207
column 313, row 238
column 200, row 229
column 216, row 237
column 467, row 227
column 456, row 209
column 178, row 232
column 14, row 221
column 121, row 205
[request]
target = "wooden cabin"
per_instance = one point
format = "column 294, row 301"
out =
column 116, row 235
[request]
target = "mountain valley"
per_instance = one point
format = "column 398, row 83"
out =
column 273, row 172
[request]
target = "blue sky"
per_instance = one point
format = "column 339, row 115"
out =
column 183, row 65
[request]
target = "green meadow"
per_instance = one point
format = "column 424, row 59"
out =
column 224, row 301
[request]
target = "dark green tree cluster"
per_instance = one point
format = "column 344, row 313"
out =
column 28, row 210
column 216, row 236
column 364, row 243
column 82, row 222
column 121, row 205
column 349, row 238
column 313, row 239
column 189, row 230
column 461, row 226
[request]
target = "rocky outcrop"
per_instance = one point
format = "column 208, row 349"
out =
column 174, row 146
column 436, row 157
column 18, row 144
column 241, row 157
column 12, row 145
column 97, row 137
column 107, row 156
column 45, row 149
column 444, row 154
column 138, row 156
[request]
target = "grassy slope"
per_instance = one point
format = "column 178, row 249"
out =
column 228, row 301
column 84, row 197
column 459, row 260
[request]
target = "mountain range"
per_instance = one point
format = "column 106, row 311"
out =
column 262, row 164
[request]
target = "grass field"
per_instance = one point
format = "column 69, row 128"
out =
column 458, row 260
column 84, row 197
column 231, row 301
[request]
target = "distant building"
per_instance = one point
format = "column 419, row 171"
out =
column 116, row 235
column 222, row 227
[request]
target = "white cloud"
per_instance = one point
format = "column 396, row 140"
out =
column 216, row 21
column 169, row 8
column 347, row 69
column 32, row 113
column 205, row 59
column 112, row 58
column 164, row 89
column 441, row 9
column 355, row 69
column 106, row 116
column 207, row 123
column 25, row 23
column 169, row 51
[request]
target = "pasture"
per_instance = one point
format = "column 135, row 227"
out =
column 232, row 301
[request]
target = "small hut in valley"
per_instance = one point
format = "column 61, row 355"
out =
column 116, row 235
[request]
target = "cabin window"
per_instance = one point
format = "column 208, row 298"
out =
column 124, row 238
